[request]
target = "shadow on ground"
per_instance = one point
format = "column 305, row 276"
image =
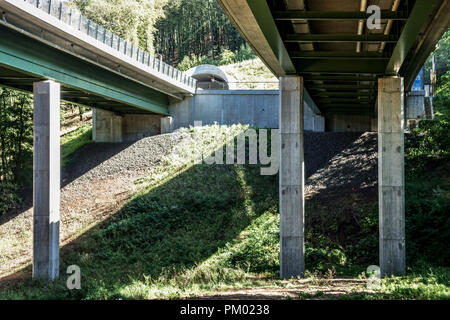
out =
column 82, row 161
column 175, row 225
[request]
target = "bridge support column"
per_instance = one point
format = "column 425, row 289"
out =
column 46, row 174
column 391, row 175
column 106, row 126
column 292, row 263
column 166, row 125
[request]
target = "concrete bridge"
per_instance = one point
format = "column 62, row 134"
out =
column 350, row 68
column 49, row 48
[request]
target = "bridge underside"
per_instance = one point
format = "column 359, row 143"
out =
column 24, row 61
column 328, row 48
column 24, row 82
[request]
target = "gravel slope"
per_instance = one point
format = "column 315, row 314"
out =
column 100, row 179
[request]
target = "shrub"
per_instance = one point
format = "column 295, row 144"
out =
column 8, row 197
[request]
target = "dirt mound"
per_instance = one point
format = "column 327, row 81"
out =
column 340, row 161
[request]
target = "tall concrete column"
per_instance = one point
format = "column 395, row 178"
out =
column 46, row 174
column 391, row 175
column 292, row 262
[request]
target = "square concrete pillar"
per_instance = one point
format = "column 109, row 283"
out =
column 391, row 177
column 46, row 184
column 166, row 125
column 292, row 263
column 107, row 126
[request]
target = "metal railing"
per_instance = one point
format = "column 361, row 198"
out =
column 67, row 13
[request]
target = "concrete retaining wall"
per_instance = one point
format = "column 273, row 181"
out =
column 350, row 123
column 257, row 108
column 111, row 127
column 138, row 126
column 106, row 126
column 415, row 105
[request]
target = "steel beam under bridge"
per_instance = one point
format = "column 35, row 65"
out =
column 86, row 83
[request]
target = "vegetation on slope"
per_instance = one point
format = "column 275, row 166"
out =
column 16, row 143
column 195, row 28
column 181, row 32
column 74, row 140
column 132, row 20
column 251, row 74
column 193, row 229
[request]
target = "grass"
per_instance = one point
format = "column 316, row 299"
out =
column 251, row 74
column 196, row 230
column 73, row 140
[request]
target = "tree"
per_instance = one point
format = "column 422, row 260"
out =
column 133, row 20
column 195, row 28
column 16, row 141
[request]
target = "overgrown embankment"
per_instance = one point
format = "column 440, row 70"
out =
column 193, row 229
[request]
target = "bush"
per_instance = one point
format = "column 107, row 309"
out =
column 428, row 190
column 8, row 197
column 324, row 258
column 226, row 57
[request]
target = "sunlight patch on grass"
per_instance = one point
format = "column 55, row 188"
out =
column 74, row 140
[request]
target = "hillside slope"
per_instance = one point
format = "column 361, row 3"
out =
column 142, row 223
column 251, row 74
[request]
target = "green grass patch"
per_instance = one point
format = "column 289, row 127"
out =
column 74, row 140
column 192, row 229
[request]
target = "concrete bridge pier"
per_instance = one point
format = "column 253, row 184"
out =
column 391, row 175
column 108, row 126
column 292, row 263
column 46, row 184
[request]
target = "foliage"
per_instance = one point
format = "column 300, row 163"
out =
column 15, row 135
column 427, row 221
column 427, row 168
column 133, row 20
column 173, row 29
column 428, row 144
column 226, row 57
column 195, row 28
column 16, row 140
column 442, row 60
column 75, row 140
column 192, row 229
column 8, row 197
column 422, row 283
column 252, row 74
column 16, row 145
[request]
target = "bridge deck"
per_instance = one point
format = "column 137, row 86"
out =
column 328, row 43
column 94, row 66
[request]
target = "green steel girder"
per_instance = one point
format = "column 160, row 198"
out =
column 365, row 112
column 340, row 78
column 410, row 34
column 344, row 94
column 346, row 106
column 263, row 16
column 340, row 86
column 38, row 60
column 337, row 37
column 340, row 55
column 343, row 100
column 341, row 66
column 336, row 15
